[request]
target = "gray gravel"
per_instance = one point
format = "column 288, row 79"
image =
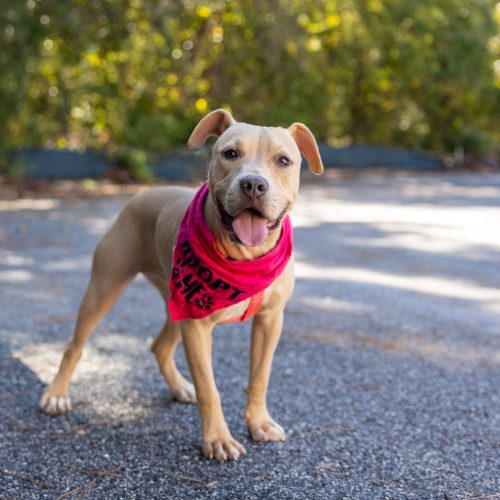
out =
column 386, row 379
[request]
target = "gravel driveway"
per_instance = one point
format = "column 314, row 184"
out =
column 386, row 379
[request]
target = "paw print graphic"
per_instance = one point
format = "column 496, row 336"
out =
column 205, row 302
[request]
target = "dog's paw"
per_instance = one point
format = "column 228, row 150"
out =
column 184, row 393
column 223, row 448
column 54, row 404
column 267, row 430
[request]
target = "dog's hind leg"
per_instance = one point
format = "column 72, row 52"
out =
column 112, row 270
column 164, row 349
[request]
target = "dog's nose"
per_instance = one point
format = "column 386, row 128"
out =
column 254, row 186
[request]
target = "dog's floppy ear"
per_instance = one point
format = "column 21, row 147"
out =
column 213, row 124
column 307, row 146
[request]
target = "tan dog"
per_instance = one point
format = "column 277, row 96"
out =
column 141, row 241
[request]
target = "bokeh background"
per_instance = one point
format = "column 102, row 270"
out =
column 386, row 377
column 132, row 77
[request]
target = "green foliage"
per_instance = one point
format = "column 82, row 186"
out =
column 140, row 73
column 12, row 167
column 135, row 162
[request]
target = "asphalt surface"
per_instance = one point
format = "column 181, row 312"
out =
column 386, row 379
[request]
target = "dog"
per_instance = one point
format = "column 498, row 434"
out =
column 253, row 180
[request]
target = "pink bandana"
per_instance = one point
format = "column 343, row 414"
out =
column 203, row 281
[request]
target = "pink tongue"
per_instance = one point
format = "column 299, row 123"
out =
column 250, row 228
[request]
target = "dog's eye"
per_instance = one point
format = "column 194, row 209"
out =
column 283, row 160
column 230, row 154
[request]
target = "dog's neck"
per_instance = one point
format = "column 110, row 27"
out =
column 228, row 247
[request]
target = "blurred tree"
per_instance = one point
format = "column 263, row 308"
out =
column 140, row 73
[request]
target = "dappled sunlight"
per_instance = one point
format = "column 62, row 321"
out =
column 8, row 258
column 96, row 225
column 97, row 360
column 69, row 264
column 15, row 276
column 429, row 214
column 333, row 305
column 427, row 229
column 407, row 265
column 432, row 285
column 449, row 189
column 108, row 358
column 429, row 238
column 42, row 358
column 29, row 204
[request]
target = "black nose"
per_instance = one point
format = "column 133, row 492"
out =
column 254, row 186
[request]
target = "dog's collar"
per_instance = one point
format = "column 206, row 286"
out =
column 253, row 308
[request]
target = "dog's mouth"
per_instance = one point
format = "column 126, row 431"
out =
column 249, row 226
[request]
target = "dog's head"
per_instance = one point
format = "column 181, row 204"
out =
column 254, row 172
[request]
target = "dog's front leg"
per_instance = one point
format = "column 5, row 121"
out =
column 217, row 441
column 266, row 331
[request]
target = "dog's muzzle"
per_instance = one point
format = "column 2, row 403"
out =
column 248, row 226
